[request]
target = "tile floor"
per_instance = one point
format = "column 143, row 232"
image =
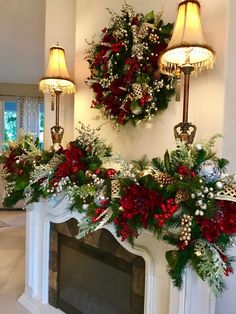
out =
column 12, row 245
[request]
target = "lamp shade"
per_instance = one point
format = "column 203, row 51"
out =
column 187, row 45
column 57, row 76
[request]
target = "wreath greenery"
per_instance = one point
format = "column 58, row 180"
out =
column 125, row 77
column 181, row 198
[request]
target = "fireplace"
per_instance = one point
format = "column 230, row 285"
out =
column 157, row 295
column 93, row 275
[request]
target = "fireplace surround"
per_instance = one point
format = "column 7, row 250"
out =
column 160, row 297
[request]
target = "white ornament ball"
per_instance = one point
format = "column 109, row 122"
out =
column 219, row 185
column 99, row 198
column 209, row 171
column 199, row 203
column 85, row 206
column 199, row 147
column 203, row 206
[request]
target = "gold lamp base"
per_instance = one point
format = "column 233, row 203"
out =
column 185, row 132
column 57, row 135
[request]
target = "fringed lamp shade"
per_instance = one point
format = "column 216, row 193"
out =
column 57, row 76
column 187, row 45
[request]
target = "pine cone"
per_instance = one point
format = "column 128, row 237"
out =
column 181, row 196
column 163, row 178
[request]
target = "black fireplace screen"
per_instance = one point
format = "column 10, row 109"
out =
column 97, row 275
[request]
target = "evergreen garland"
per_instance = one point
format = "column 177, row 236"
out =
column 177, row 198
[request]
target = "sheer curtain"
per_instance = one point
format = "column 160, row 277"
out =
column 28, row 115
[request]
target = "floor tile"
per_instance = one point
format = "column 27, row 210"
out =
column 11, row 241
column 10, row 258
column 14, row 285
column 4, row 275
column 7, row 306
column 12, row 262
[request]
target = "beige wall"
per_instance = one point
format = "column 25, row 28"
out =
column 207, row 90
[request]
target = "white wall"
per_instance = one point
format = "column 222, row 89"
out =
column 227, row 304
column 21, row 41
column 207, row 90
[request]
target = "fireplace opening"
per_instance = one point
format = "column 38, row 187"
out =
column 95, row 275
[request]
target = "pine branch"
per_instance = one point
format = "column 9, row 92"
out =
column 209, row 265
column 141, row 164
column 158, row 164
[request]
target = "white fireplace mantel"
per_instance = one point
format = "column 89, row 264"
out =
column 160, row 296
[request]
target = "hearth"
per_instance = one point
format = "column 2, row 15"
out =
column 95, row 275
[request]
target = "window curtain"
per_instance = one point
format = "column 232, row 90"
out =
column 28, row 115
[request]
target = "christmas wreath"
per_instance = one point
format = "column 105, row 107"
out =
column 125, row 77
column 184, row 198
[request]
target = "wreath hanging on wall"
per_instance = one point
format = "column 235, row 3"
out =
column 125, row 77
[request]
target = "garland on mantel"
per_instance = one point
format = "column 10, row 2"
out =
column 184, row 199
column 125, row 76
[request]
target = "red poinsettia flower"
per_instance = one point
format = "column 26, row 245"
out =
column 10, row 162
column 108, row 38
column 97, row 88
column 138, row 200
column 141, row 203
column 71, row 165
column 117, row 87
column 100, row 56
column 117, row 47
column 209, row 229
column 227, row 219
column 224, row 221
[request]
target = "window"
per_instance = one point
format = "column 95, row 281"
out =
column 9, row 121
column 10, row 126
